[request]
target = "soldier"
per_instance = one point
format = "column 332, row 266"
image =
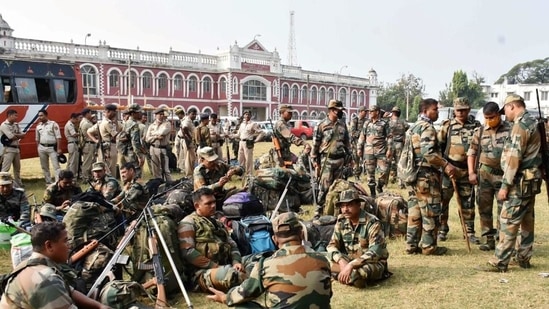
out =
column 206, row 245
column 424, row 204
column 71, row 134
column 376, row 141
column 202, row 132
column 356, row 127
column 87, row 145
column 397, row 129
column 109, row 129
column 214, row 174
column 123, row 143
column 249, row 133
column 357, row 250
column 158, row 136
column 62, row 191
column 455, row 136
column 134, row 195
column 484, row 156
column 521, row 182
column 143, row 127
column 185, row 144
column 282, row 131
column 48, row 138
column 134, row 152
column 304, row 158
column 273, row 282
column 331, row 145
column 39, row 282
column 217, row 135
column 12, row 154
column 107, row 185
column 13, row 201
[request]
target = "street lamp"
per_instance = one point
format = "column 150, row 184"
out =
column 86, row 38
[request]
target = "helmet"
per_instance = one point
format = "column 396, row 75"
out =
column 61, row 158
column 183, row 198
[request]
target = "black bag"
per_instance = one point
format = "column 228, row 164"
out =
column 242, row 204
column 250, row 143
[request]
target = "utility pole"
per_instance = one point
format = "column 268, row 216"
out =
column 292, row 52
column 308, row 99
column 129, row 80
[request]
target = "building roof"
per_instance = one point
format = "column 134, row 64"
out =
column 3, row 24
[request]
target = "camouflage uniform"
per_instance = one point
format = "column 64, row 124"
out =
column 133, row 147
column 282, row 131
column 454, row 138
column 489, row 173
column 357, row 124
column 133, row 198
column 362, row 245
column 397, row 129
column 424, row 204
column 56, row 196
column 206, row 245
column 108, row 186
column 15, row 205
column 330, row 147
column 87, row 147
column 209, row 178
column 203, row 136
column 522, row 178
column 38, row 286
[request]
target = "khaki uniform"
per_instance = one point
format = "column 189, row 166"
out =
column 109, row 129
column 203, row 136
column 159, row 148
column 47, row 135
column 12, row 153
column 217, row 135
column 71, row 134
column 248, row 133
column 88, row 149
column 186, row 147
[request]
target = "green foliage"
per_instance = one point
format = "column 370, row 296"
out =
column 407, row 87
column 462, row 86
column 531, row 72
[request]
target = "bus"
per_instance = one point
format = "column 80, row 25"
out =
column 29, row 86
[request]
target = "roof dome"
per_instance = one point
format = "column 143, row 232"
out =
column 4, row 24
column 372, row 71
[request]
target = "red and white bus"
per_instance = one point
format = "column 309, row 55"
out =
column 29, row 86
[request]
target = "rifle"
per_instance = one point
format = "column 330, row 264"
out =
column 228, row 152
column 313, row 181
column 91, row 245
column 161, row 300
column 460, row 213
column 278, row 149
column 12, row 224
column 543, row 147
column 275, row 211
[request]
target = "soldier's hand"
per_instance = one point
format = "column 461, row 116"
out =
column 502, row 194
column 217, row 296
column 238, row 267
column 223, row 180
column 344, row 276
column 473, row 179
column 66, row 204
column 389, row 154
column 359, row 153
column 450, row 170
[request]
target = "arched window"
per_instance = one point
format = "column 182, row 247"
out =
column 304, row 94
column 89, row 79
column 254, row 90
column 147, row 80
column 192, row 84
column 342, row 95
column 353, row 98
column 114, row 79
column 285, row 91
column 330, row 94
column 178, row 82
column 322, row 96
column 361, row 99
column 223, row 85
column 294, row 94
column 313, row 95
column 133, row 79
column 162, row 81
column 206, row 85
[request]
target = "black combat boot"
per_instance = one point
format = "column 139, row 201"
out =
column 380, row 187
column 372, row 189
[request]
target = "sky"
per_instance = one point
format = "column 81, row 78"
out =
column 430, row 39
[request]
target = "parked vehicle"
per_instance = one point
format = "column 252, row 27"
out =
column 267, row 129
column 302, row 128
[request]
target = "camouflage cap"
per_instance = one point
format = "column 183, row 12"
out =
column 395, row 109
column 98, row 166
column 347, row 196
column 48, row 210
column 336, row 104
column 134, row 108
column 362, row 109
column 207, row 153
column 5, row 178
column 286, row 222
column 285, row 107
column 513, row 98
column 374, row 108
column 461, row 103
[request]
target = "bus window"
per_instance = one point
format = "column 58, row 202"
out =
column 26, row 90
column 60, row 90
column 43, row 89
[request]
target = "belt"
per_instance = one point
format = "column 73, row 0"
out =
column 48, row 145
column 72, row 142
column 89, row 142
column 336, row 156
column 161, row 147
column 491, row 170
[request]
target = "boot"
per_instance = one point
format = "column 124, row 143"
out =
column 372, row 190
column 489, row 245
column 442, row 236
column 379, row 187
column 473, row 239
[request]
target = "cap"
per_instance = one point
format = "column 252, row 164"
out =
column 374, row 108
column 461, row 103
column 396, row 109
column 285, row 107
column 85, row 111
column 98, row 166
column 287, row 221
column 48, row 210
column 362, row 109
column 204, row 116
column 246, row 112
column 110, row 107
column 207, row 153
column 336, row 104
column 61, row 158
column 179, row 111
column 512, row 98
column 5, row 178
column 159, row 110
column 347, row 196
column 126, row 112
column 213, row 115
column 134, row 108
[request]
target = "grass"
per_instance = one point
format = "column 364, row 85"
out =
column 449, row 281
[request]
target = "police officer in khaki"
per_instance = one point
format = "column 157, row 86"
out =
column 203, row 132
column 12, row 154
column 249, row 133
column 185, row 144
column 109, row 129
column 158, row 136
column 48, row 138
column 72, row 134
column 217, row 135
column 86, row 144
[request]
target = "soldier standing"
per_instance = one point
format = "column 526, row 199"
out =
column 109, row 129
column 521, row 182
column 455, row 136
column 397, row 129
column 12, row 154
column 48, row 138
column 158, row 136
column 330, row 147
column 424, row 204
column 484, row 165
column 356, row 127
column 217, row 135
column 249, row 133
column 123, row 143
column 87, row 145
column 202, row 132
column 143, row 127
column 376, row 141
column 134, row 152
column 71, row 134
column 13, row 201
column 186, row 143
column 282, row 131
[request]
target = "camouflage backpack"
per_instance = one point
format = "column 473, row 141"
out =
column 90, row 267
column 120, row 294
column 406, row 167
column 393, row 213
column 333, row 195
column 89, row 220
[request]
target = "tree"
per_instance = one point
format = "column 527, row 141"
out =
column 405, row 89
column 531, row 72
column 461, row 86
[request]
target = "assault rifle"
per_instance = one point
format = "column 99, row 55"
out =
column 9, row 222
column 161, row 300
column 278, row 149
column 460, row 213
column 94, row 243
column 543, row 149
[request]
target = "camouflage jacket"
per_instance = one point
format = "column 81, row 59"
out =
column 38, row 286
column 134, row 196
column 331, row 139
column 426, row 147
column 282, row 131
column 15, row 205
column 454, row 138
column 56, row 196
column 364, row 243
column 491, row 144
column 397, row 129
column 203, row 136
column 205, row 177
column 375, row 137
column 108, row 186
column 356, row 127
column 521, row 149
column 205, row 242
column 133, row 133
column 295, row 276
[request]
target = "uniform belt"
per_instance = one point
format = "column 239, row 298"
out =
column 90, row 142
column 336, row 156
column 161, row 147
column 48, row 145
column 491, row 170
column 74, row 142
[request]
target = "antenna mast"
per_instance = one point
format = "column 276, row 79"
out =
column 292, row 53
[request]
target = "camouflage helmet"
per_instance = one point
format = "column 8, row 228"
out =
column 182, row 198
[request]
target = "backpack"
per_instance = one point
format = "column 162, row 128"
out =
column 270, row 198
column 90, row 267
column 242, row 204
column 120, row 294
column 335, row 189
column 253, row 235
column 406, row 169
column 393, row 213
column 89, row 220
column 319, row 232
